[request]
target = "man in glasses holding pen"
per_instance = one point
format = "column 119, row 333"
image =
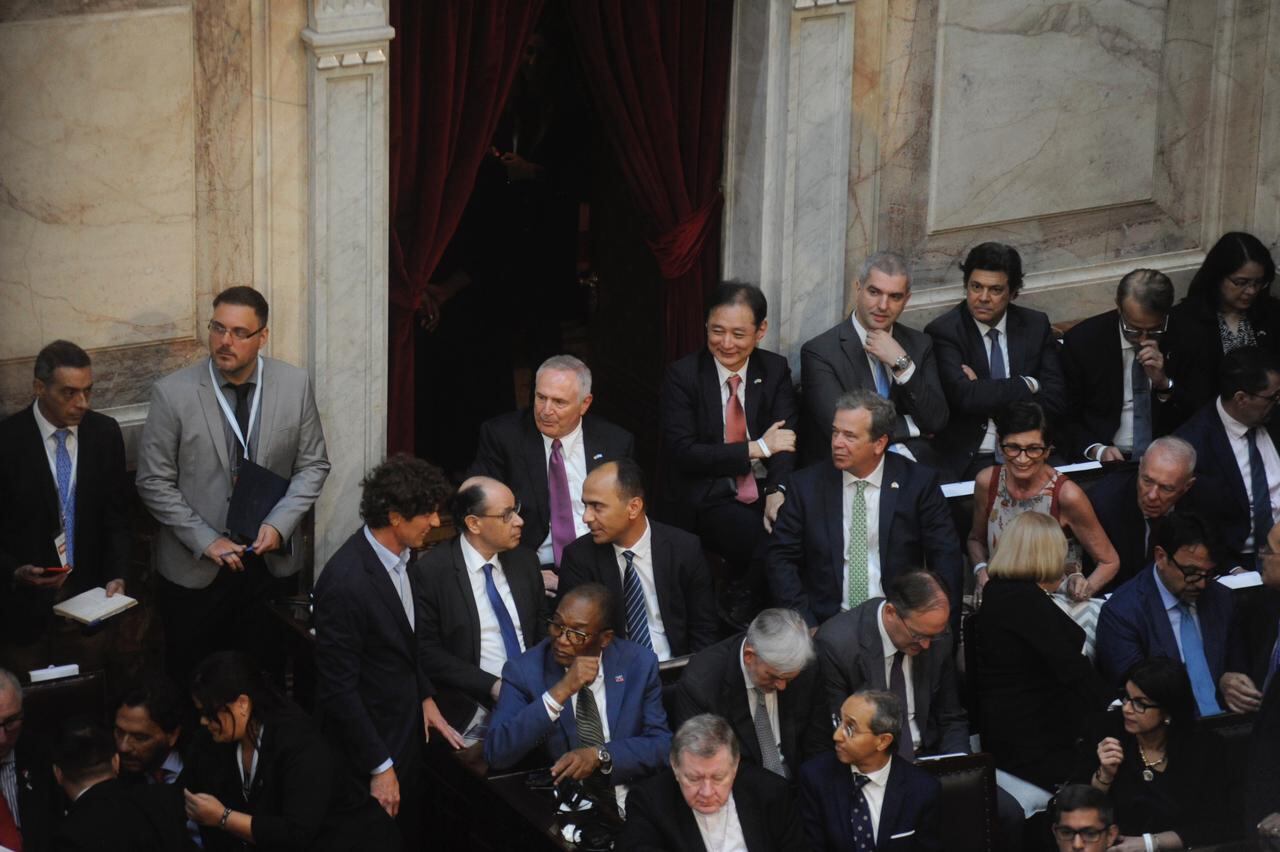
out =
column 592, row 701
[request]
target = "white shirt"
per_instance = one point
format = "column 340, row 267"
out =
column 554, row 709
column 9, row 785
column 642, row 560
column 872, row 496
column 47, row 431
column 1171, row 603
column 873, row 792
column 574, row 453
column 493, row 652
column 1123, row 439
column 907, row 660
column 873, row 364
column 722, row 830
column 1237, row 437
column 723, row 373
column 770, row 701
column 396, row 565
column 989, row 440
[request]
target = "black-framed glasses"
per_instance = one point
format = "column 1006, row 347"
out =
column 1033, row 452
column 1192, row 574
column 575, row 637
column 507, row 515
column 1271, row 398
column 217, row 329
column 921, row 637
column 1132, row 333
column 1140, row 705
column 1067, row 834
column 1254, row 284
column 12, row 723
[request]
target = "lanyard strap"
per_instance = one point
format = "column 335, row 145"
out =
column 246, row 783
column 229, row 414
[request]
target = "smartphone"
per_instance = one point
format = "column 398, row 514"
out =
column 60, row 569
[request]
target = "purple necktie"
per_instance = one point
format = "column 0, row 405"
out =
column 562, row 529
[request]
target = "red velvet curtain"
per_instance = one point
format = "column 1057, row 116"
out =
column 659, row 75
column 452, row 66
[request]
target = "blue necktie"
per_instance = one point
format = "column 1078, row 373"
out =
column 633, row 593
column 1261, row 492
column 67, row 497
column 1141, row 407
column 1197, row 665
column 508, row 629
column 864, row 836
column 882, row 380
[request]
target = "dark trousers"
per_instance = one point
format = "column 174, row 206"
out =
column 733, row 530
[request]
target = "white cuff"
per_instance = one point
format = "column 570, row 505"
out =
column 905, row 376
column 382, row 767
column 1032, row 383
column 1088, row 451
column 764, row 448
column 554, row 708
column 978, row 567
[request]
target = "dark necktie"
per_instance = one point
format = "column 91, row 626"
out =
column 864, row 836
column 505, row 626
column 770, row 756
column 1274, row 665
column 998, row 371
column 563, row 532
column 242, row 411
column 1261, row 492
column 1141, row 407
column 898, row 686
column 637, row 614
column 591, row 735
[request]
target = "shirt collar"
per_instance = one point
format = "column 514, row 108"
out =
column 1235, row 429
column 641, row 547
column 46, row 428
column 723, row 373
column 889, row 648
column 874, row 478
column 880, row 777
column 742, row 663
column 568, row 443
column 1168, row 598
column 983, row 328
column 1125, row 343
column 391, row 561
column 472, row 558
column 172, row 766
column 224, row 382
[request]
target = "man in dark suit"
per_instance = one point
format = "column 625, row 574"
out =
column 1175, row 610
column 592, row 702
column 373, row 692
column 765, row 679
column 728, row 415
column 1165, row 478
column 545, row 453
column 901, row 643
column 864, row 787
column 480, row 602
column 30, row 804
column 148, row 728
column 61, row 473
column 1237, row 463
column 1119, row 393
column 991, row 353
column 661, row 585
column 1262, row 803
column 710, row 799
column 107, row 815
column 851, row 525
column 873, row 351
column 1253, row 652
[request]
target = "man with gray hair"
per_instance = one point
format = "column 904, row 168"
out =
column 30, row 802
column 872, row 350
column 1119, row 391
column 765, row 683
column 831, row 548
column 709, row 799
column 544, row 454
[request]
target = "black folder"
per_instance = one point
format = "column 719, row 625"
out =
column 256, row 493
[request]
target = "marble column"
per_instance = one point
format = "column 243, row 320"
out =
column 348, row 44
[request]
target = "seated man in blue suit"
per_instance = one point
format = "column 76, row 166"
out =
column 863, row 794
column 594, row 702
column 852, row 524
column 1174, row 610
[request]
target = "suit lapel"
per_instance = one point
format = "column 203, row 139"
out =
column 213, row 417
column 750, row 817
column 591, row 448
column 871, row 659
column 266, row 419
column 709, row 386
column 1226, row 459
column 891, row 808
column 464, row 591
column 755, row 376
column 551, row 673
column 34, row 450
column 889, row 489
column 1016, row 343
column 1112, row 354
column 664, row 580
column 611, row 578
column 614, row 686
column 1153, row 604
column 833, row 499
column 979, row 359
column 856, row 356
column 385, row 591
column 535, row 457
column 734, row 696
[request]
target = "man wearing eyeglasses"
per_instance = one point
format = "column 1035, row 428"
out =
column 480, row 603
column 30, row 802
column 1118, row 386
column 1083, row 819
column 1174, row 610
column 591, row 701
column 1237, row 462
column 207, row 422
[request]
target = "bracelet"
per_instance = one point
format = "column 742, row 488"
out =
column 226, row 813
column 1097, row 774
column 978, row 567
column 1150, row 842
column 764, row 448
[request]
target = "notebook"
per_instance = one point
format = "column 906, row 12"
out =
column 94, row 605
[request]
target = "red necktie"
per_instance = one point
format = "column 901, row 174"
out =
column 10, row 836
column 735, row 431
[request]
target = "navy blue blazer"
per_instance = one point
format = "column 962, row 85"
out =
column 639, row 739
column 806, row 550
column 908, row 816
column 1218, row 477
column 1133, row 626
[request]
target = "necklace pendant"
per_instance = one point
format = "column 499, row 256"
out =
column 1147, row 775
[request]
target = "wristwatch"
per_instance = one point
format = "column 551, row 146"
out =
column 901, row 364
column 606, row 761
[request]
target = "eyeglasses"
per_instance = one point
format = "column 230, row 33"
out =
column 1141, row 705
column 1253, row 284
column 846, row 728
column 1067, row 834
column 921, row 637
column 575, row 637
column 507, row 515
column 1271, row 398
column 1193, row 575
column 1132, row 333
column 1032, row 452
column 217, row 329
column 12, row 723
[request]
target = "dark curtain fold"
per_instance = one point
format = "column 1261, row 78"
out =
column 452, row 66
column 658, row 72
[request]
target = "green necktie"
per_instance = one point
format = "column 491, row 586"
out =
column 857, row 554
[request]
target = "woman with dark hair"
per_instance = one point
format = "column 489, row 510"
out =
column 1228, row 305
column 1026, row 482
column 265, row 776
column 1164, row 774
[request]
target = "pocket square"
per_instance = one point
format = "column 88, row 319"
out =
column 903, row 834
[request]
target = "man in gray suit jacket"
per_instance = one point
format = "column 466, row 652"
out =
column 204, row 421
column 872, row 350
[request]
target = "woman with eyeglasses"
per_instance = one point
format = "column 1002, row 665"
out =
column 1165, row 775
column 265, row 777
column 1026, row 482
column 1026, row 661
column 1228, row 306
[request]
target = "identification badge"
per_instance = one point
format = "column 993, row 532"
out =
column 60, row 544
